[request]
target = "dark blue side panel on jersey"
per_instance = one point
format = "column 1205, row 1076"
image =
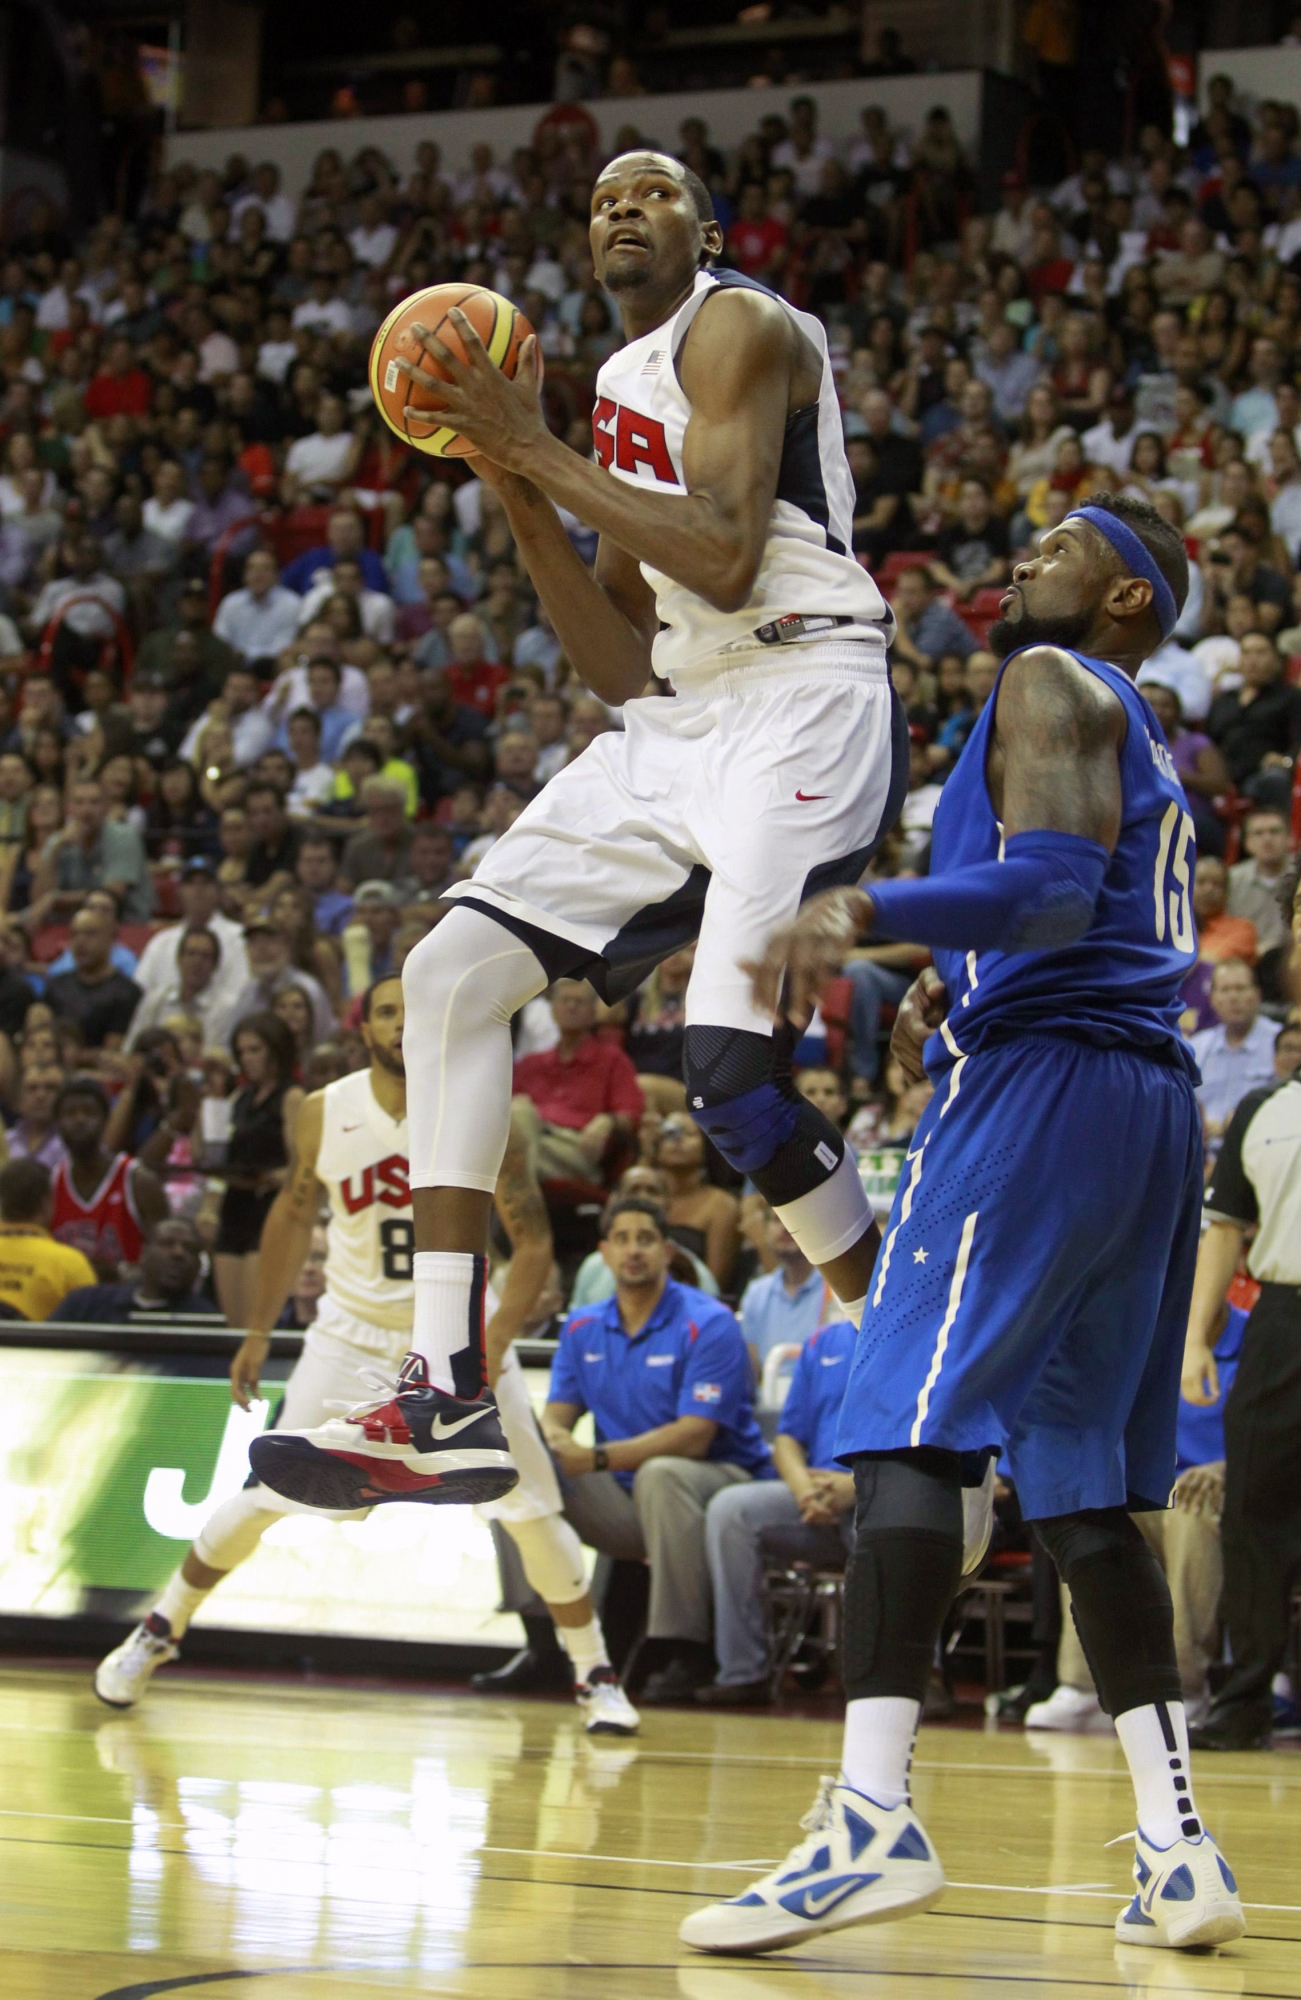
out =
column 739, row 281
column 799, row 479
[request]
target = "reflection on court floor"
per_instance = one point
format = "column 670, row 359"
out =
column 339, row 1840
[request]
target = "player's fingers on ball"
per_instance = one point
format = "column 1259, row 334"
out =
column 444, row 355
column 420, row 413
column 429, row 341
column 419, row 376
column 468, row 332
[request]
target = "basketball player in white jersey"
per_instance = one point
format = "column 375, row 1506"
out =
column 764, row 761
column 350, row 1147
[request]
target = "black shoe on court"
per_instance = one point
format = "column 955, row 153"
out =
column 414, row 1443
column 679, row 1681
column 533, row 1670
column 736, row 1694
column 1233, row 1728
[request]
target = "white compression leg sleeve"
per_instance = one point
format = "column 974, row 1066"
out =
column 830, row 1220
column 461, row 985
column 552, row 1556
column 233, row 1531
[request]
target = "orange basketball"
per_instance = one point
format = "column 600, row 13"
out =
column 499, row 326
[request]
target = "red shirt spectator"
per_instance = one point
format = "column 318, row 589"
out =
column 476, row 687
column 118, row 389
column 583, row 1077
column 472, row 677
column 756, row 241
column 571, row 1090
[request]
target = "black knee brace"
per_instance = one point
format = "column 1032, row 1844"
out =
column 1120, row 1602
column 904, row 1569
column 741, row 1093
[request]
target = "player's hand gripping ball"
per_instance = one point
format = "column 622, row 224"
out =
column 402, row 401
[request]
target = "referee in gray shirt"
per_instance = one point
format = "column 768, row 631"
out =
column 1257, row 1182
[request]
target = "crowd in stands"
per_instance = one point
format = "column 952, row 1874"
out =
column 270, row 681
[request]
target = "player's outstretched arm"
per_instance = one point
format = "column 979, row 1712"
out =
column 523, row 1215
column 1056, row 761
column 286, row 1240
column 737, row 368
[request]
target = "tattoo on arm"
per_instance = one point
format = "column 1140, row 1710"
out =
column 519, row 1200
column 1059, row 733
column 304, row 1192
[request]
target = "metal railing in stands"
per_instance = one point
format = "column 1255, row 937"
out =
column 158, row 1337
column 224, row 543
column 122, row 633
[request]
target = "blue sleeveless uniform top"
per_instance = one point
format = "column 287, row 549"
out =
column 1118, row 986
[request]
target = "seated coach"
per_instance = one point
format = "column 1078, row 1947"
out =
column 806, row 1516
column 664, row 1371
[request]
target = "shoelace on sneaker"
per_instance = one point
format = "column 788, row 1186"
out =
column 370, row 1412
column 814, row 1823
column 820, row 1812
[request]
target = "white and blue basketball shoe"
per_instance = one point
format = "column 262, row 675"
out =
column 861, row 1863
column 1184, row 1896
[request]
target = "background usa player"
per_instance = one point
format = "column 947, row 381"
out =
column 350, row 1149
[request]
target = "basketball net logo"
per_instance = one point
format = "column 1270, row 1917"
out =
column 634, row 440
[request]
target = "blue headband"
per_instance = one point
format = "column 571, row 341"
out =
column 1132, row 552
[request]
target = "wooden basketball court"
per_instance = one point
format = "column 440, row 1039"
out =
column 327, row 1841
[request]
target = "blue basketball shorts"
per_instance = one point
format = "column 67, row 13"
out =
column 1032, row 1289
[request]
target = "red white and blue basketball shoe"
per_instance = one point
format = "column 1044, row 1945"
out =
column 415, row 1443
column 860, row 1863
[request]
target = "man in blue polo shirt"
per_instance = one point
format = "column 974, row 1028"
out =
column 811, row 1510
column 664, row 1371
column 782, row 1307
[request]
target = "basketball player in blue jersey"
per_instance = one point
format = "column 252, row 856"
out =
column 765, row 766
column 1032, row 1292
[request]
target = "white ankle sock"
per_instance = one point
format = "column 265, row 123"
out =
column 179, row 1602
column 879, row 1732
column 1155, row 1741
column 585, row 1645
column 854, row 1309
column 449, row 1316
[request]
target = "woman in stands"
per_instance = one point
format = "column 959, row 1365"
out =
column 179, row 827
column 703, row 1218
column 257, row 1156
column 295, row 1010
column 291, row 913
column 18, row 868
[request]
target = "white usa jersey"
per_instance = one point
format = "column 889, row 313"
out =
column 808, row 569
column 363, row 1163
